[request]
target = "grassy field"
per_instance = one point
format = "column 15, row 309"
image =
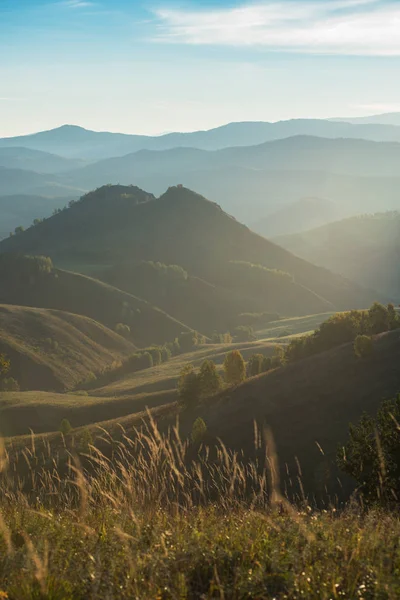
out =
column 169, row 523
column 291, row 327
column 43, row 412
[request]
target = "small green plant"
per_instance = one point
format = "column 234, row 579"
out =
column 199, row 430
column 65, row 427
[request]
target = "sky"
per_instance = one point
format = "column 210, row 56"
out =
column 155, row 66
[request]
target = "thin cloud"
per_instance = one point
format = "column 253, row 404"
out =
column 76, row 4
column 354, row 27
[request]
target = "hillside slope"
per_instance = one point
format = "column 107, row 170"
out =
column 364, row 248
column 25, row 282
column 55, row 350
column 185, row 229
column 302, row 215
column 309, row 402
column 36, row 160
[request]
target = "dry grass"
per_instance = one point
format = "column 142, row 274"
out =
column 155, row 517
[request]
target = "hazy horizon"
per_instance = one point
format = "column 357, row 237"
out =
column 129, row 67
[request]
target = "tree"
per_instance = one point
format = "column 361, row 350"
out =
column 379, row 318
column 234, row 368
column 244, row 333
column 123, row 330
column 255, row 365
column 165, row 354
column 19, row 229
column 279, row 357
column 372, row 453
column 210, row 381
column 363, row 346
column 65, row 427
column 155, row 354
column 4, row 364
column 189, row 386
column 266, row 364
column 199, row 430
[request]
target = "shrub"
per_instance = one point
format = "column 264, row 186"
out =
column 65, row 427
column 4, row 364
column 234, row 368
column 199, row 430
column 9, row 385
column 371, row 455
column 363, row 346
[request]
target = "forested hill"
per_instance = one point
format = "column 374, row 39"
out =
column 117, row 223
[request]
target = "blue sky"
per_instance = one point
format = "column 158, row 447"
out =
column 163, row 65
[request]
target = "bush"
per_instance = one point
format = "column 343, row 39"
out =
column 9, row 385
column 234, row 368
column 363, row 346
column 372, row 456
column 65, row 427
column 199, row 430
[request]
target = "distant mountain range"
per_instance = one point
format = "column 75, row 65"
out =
column 383, row 119
column 252, row 170
column 250, row 182
column 75, row 142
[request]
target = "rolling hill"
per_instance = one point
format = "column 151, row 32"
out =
column 364, row 248
column 183, row 228
column 302, row 215
column 55, row 350
column 300, row 153
column 308, row 405
column 36, row 160
column 32, row 282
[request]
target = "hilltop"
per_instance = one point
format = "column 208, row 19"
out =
column 183, row 228
column 55, row 350
column 365, row 248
